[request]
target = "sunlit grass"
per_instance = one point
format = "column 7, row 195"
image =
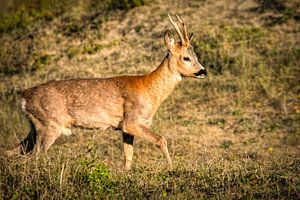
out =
column 233, row 135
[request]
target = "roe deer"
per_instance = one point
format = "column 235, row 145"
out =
column 127, row 103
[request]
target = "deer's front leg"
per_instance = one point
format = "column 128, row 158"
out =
column 146, row 133
column 128, row 149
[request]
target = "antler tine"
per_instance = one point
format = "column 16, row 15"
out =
column 184, row 29
column 176, row 28
column 179, row 19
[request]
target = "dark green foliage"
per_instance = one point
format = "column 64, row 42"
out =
column 226, row 144
column 125, row 4
column 73, row 29
column 24, row 13
column 96, row 178
column 279, row 11
column 92, row 48
column 40, row 62
column 111, row 5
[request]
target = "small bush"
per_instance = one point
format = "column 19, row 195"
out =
column 96, row 176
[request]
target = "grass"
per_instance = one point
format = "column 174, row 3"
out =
column 74, row 176
column 233, row 135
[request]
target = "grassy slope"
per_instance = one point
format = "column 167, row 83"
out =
column 232, row 135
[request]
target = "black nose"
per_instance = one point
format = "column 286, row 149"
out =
column 201, row 72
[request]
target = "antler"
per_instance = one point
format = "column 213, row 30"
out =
column 182, row 34
column 184, row 29
column 176, row 27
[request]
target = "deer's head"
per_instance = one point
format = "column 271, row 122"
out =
column 182, row 52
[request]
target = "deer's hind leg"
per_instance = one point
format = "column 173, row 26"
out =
column 40, row 138
column 46, row 136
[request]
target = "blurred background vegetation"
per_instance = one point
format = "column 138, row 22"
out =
column 18, row 14
column 235, row 134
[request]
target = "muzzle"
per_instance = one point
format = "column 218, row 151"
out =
column 202, row 73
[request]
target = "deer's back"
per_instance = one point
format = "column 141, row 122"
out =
column 91, row 103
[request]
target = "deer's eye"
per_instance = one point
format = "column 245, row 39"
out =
column 186, row 59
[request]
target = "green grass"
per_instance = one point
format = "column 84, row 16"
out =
column 68, row 176
column 233, row 135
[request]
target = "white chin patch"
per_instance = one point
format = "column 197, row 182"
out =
column 201, row 76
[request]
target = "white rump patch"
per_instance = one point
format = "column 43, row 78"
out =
column 23, row 105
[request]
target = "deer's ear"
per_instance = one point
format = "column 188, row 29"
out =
column 169, row 40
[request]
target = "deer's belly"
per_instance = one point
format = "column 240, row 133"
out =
column 97, row 118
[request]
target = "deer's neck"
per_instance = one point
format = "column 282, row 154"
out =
column 161, row 82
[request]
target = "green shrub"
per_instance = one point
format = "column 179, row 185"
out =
column 96, row 176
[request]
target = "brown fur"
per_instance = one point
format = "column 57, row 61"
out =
column 127, row 103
